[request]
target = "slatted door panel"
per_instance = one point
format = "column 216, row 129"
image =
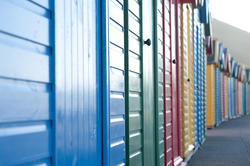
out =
column 26, row 79
column 191, row 116
column 210, row 96
column 159, row 75
column 222, row 97
column 234, row 97
column 248, row 98
column 204, row 85
column 226, row 96
column 139, row 78
column 135, row 89
column 168, row 85
column 199, row 74
column 217, row 96
column 243, row 99
column 176, row 81
column 240, row 98
column 117, row 82
column 213, row 94
column 184, row 82
column 174, row 106
column 237, row 97
column 230, row 93
column 195, row 50
column 179, row 79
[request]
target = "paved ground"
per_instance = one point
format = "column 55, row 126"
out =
column 227, row 145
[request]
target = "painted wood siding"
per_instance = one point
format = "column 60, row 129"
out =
column 168, row 96
column 217, row 96
column 134, row 87
column 191, row 113
column 26, row 82
column 184, row 81
column 78, row 111
column 117, row 82
column 159, row 82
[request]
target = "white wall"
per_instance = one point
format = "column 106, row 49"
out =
column 238, row 41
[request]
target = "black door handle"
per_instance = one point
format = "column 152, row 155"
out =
column 174, row 61
column 188, row 80
column 147, row 42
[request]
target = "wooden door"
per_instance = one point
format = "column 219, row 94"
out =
column 139, row 83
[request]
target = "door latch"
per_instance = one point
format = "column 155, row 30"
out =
column 147, row 42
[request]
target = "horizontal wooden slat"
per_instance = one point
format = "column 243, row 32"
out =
column 116, row 56
column 135, row 84
column 117, row 152
column 25, row 143
column 24, row 106
column 23, row 64
column 117, row 127
column 116, row 30
column 116, row 12
column 135, row 121
column 134, row 44
column 24, row 24
column 116, row 80
column 135, row 101
column 117, row 103
column 136, row 159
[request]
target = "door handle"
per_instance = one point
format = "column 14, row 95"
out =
column 147, row 42
column 174, row 61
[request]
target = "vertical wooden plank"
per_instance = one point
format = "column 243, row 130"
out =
column 78, row 138
column 148, row 83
